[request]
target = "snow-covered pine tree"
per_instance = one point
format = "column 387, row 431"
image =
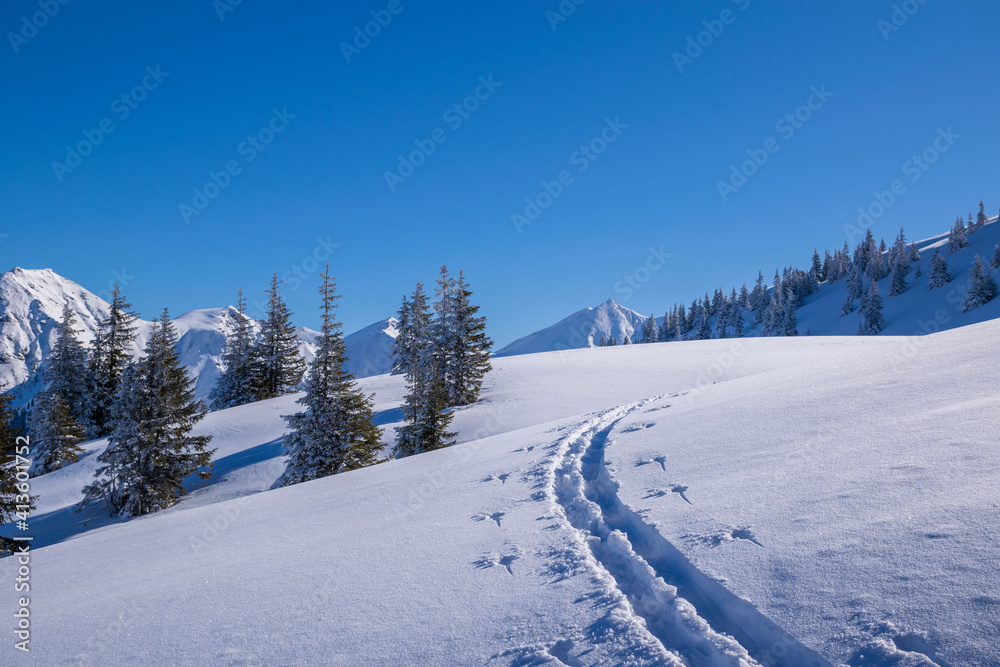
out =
column 65, row 370
column 471, row 346
column 650, row 332
column 855, row 288
column 913, row 254
column 612, row 341
column 900, row 264
column 789, row 325
column 425, row 414
column 817, row 265
column 981, row 218
column 151, row 449
column 956, row 239
column 704, row 331
column 603, row 342
column 982, row 286
column 236, row 383
column 626, row 340
column 872, row 320
column 939, row 271
column 970, row 228
column 413, row 331
column 336, row 433
column 55, row 421
column 443, row 343
column 995, row 262
column 111, row 353
column 55, row 435
column 277, row 365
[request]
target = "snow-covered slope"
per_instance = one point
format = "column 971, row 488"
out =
column 916, row 311
column 792, row 501
column 31, row 304
column 583, row 328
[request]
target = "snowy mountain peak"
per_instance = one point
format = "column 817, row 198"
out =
column 583, row 328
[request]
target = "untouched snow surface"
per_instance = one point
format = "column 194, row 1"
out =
column 803, row 501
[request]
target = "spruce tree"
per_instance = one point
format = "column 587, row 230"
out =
column 235, row 385
column 424, row 408
column 151, row 451
column 982, row 286
column 470, row 346
column 939, row 271
column 55, row 435
column 981, row 218
column 65, row 369
column 278, row 366
column 650, row 332
column 790, row 319
column 872, row 320
column 995, row 262
column 443, row 342
column 403, row 345
column 957, row 240
column 336, row 433
column 111, row 353
column 913, row 254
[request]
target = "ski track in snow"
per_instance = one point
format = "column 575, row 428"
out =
column 687, row 613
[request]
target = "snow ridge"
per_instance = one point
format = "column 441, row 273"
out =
column 695, row 619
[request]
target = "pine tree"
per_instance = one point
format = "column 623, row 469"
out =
column 612, row 341
column 236, row 383
column 336, row 433
column 65, row 370
column 981, row 218
column 982, row 286
column 872, row 320
column 855, row 288
column 111, row 353
column 470, row 352
column 914, row 254
column 995, row 262
column 900, row 265
column 55, row 435
column 277, row 365
column 150, row 451
column 957, row 240
column 971, row 227
column 443, row 334
column 939, row 271
column 817, row 265
column 425, row 414
column 790, row 320
column 650, row 332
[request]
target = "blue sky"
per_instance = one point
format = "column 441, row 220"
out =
column 219, row 89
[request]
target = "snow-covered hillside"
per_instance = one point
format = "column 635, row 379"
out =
column 914, row 312
column 31, row 305
column 773, row 501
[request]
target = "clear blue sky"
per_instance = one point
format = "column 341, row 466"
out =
column 323, row 175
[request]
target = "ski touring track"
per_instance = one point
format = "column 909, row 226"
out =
column 694, row 619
